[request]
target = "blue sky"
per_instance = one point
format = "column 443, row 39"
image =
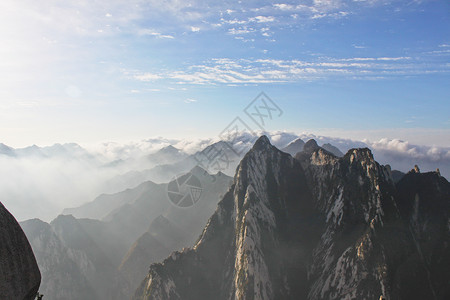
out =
column 90, row 71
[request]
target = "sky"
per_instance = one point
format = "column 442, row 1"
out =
column 90, row 71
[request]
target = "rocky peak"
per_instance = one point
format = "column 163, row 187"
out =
column 269, row 194
column 313, row 227
column 310, row 146
column 262, row 143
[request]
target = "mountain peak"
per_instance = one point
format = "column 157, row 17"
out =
column 169, row 149
column 310, row 146
column 294, row 147
column 261, row 143
column 360, row 154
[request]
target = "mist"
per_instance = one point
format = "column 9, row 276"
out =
column 40, row 182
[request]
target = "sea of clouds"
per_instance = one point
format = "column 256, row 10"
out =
column 39, row 182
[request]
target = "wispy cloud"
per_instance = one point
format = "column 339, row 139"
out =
column 254, row 71
column 151, row 32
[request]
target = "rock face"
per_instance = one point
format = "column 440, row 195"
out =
column 315, row 227
column 19, row 273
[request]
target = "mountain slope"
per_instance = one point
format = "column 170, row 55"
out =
column 314, row 227
column 237, row 252
column 294, row 147
column 145, row 251
column 104, row 204
column 62, row 277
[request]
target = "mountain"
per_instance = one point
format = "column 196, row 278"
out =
column 397, row 175
column 217, row 157
column 63, row 269
column 167, row 155
column 158, row 242
column 316, row 226
column 6, row 150
column 145, row 251
column 69, row 151
column 104, row 204
column 168, row 233
column 19, row 273
column 84, row 258
column 332, row 149
column 294, row 147
column 423, row 200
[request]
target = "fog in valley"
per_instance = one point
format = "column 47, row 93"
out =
column 39, row 182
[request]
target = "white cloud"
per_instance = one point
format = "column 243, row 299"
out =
column 243, row 71
column 147, row 77
column 151, row 32
column 195, row 29
column 262, row 19
column 239, row 31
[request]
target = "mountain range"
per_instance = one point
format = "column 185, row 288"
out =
column 303, row 222
column 105, row 251
column 316, row 226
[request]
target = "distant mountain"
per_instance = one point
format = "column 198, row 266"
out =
column 167, row 155
column 6, row 150
column 64, row 271
column 315, row 227
column 219, row 156
column 168, row 233
column 294, row 147
column 19, row 273
column 158, row 242
column 332, row 149
column 103, row 258
column 104, row 204
column 145, row 251
column 69, row 150
column 397, row 175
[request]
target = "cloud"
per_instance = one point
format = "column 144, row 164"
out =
column 147, row 77
column 240, row 31
column 151, row 32
column 42, row 184
column 195, row 29
column 253, row 71
column 190, row 100
column 262, row 19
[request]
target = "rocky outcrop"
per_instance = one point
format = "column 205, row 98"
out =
column 19, row 273
column 315, row 227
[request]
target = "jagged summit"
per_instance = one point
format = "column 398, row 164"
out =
column 261, row 143
column 359, row 154
column 316, row 226
column 310, row 146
